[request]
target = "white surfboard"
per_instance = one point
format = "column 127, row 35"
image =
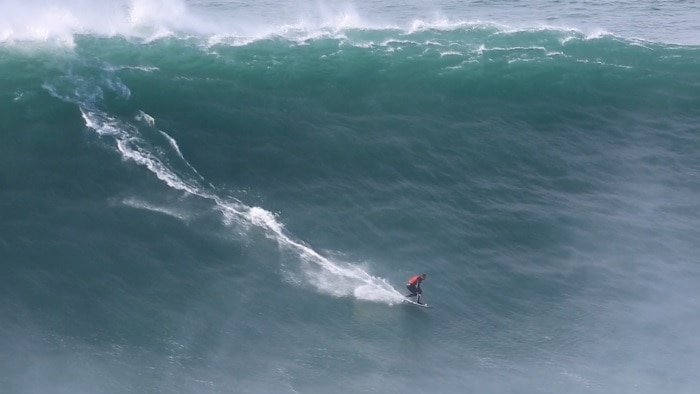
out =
column 416, row 304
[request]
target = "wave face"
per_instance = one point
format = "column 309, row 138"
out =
column 195, row 206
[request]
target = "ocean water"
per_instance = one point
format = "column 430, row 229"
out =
column 228, row 197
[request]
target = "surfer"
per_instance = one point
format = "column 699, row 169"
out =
column 413, row 286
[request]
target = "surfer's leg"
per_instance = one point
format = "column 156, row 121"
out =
column 412, row 289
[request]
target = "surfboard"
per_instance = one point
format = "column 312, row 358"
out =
column 417, row 304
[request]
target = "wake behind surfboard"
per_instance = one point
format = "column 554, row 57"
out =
column 417, row 304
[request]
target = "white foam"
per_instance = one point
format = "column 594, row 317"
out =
column 265, row 219
column 37, row 20
column 48, row 20
column 597, row 34
column 329, row 276
column 233, row 23
column 169, row 211
column 451, row 53
column 132, row 148
column 336, row 278
column 144, row 117
column 139, row 68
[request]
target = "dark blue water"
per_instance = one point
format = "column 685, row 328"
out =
column 186, row 212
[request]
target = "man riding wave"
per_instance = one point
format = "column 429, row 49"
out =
column 413, row 286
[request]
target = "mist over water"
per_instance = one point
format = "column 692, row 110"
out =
column 220, row 197
column 43, row 20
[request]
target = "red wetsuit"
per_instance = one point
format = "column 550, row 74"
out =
column 413, row 286
column 415, row 280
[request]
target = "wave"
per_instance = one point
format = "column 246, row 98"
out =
column 447, row 70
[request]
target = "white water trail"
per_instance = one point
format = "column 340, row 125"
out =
column 328, row 276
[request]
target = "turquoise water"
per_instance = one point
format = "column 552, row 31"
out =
column 214, row 197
